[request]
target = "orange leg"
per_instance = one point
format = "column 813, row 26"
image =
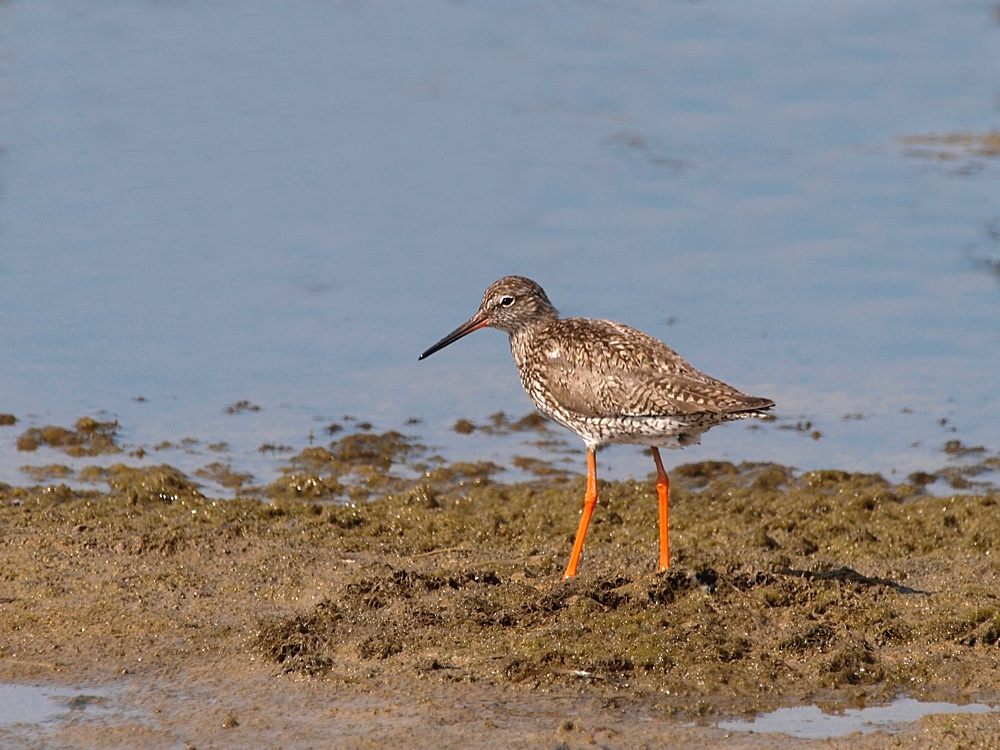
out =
column 663, row 490
column 589, row 501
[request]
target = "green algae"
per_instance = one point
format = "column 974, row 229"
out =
column 161, row 483
column 48, row 472
column 357, row 467
column 224, row 476
column 500, row 424
column 542, row 469
column 242, row 406
column 89, row 438
column 785, row 586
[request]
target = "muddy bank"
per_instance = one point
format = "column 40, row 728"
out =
column 441, row 603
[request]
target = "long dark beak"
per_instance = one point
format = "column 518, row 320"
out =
column 474, row 323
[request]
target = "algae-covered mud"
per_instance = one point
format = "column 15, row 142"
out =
column 359, row 605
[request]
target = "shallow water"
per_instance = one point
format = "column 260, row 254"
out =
column 34, row 704
column 809, row 722
column 288, row 203
column 22, row 706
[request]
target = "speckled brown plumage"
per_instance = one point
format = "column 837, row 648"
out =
column 606, row 382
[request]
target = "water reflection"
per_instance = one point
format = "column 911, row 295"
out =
column 809, row 722
column 33, row 704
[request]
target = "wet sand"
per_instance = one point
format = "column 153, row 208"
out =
column 357, row 609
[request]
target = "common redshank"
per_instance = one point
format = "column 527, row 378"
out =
column 606, row 382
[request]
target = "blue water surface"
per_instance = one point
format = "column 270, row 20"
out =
column 288, row 202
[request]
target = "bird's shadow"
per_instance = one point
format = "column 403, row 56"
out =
column 849, row 574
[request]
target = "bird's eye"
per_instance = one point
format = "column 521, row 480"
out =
column 507, row 300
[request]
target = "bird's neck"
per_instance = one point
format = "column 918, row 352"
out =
column 522, row 340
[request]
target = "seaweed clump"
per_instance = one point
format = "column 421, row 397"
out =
column 355, row 467
column 89, row 438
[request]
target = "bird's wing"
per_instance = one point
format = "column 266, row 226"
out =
column 619, row 371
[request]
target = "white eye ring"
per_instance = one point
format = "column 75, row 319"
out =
column 507, row 300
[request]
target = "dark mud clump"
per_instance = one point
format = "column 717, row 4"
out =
column 970, row 468
column 89, row 438
column 242, row 406
column 500, row 424
column 48, row 472
column 357, row 467
column 223, row 475
column 161, row 483
column 545, row 469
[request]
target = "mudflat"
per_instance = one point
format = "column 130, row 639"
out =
column 339, row 607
